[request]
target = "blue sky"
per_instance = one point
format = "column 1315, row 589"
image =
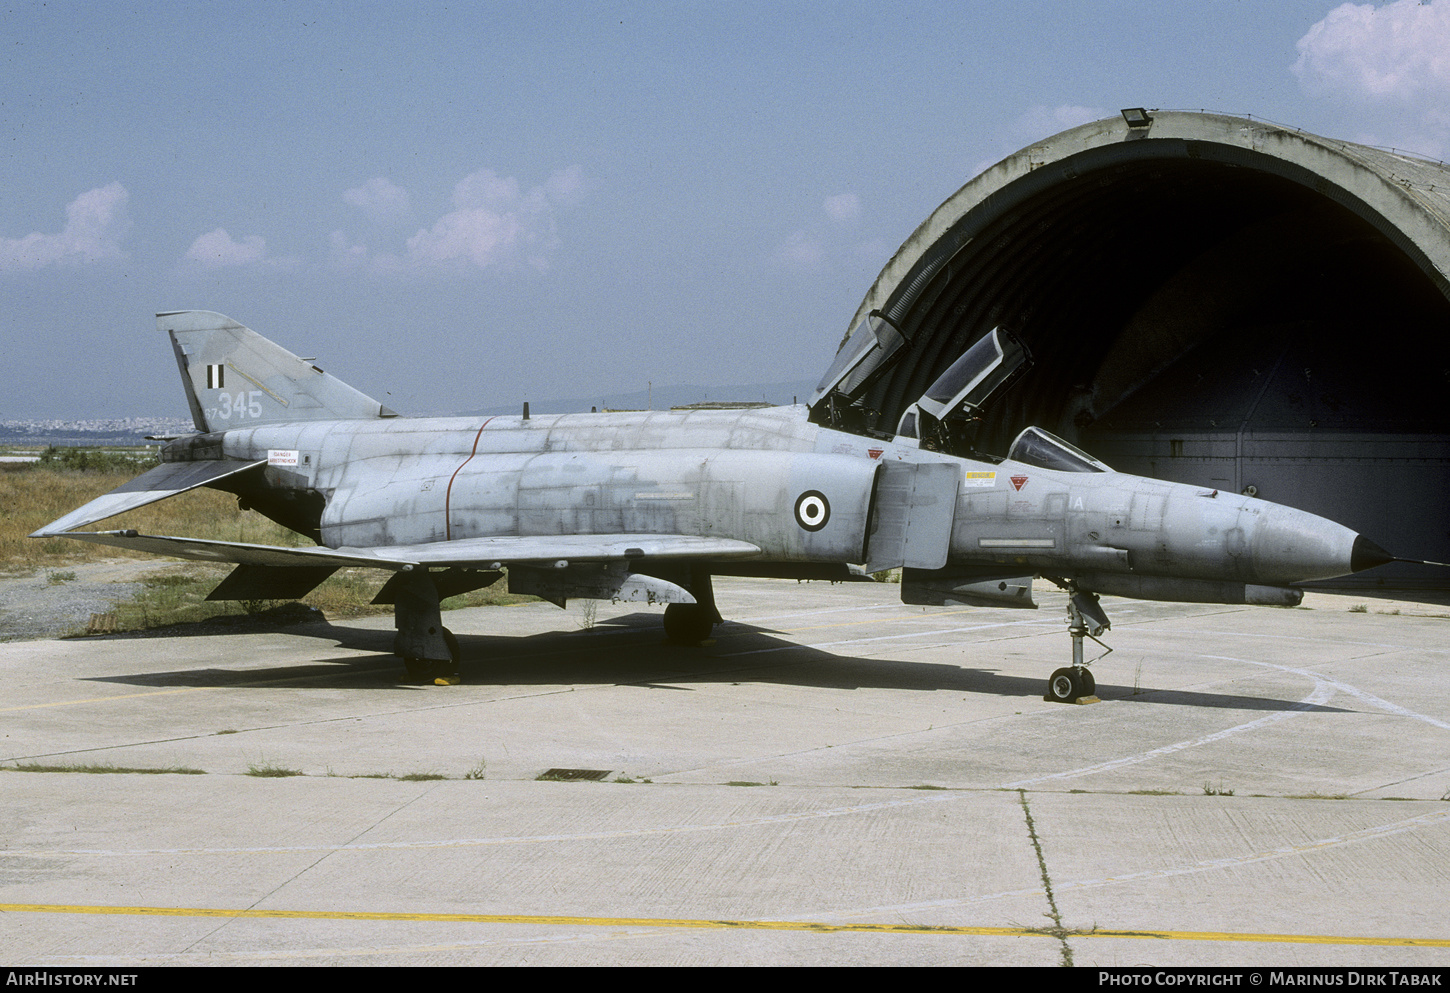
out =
column 468, row 205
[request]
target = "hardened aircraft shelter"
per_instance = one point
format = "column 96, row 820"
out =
column 1208, row 299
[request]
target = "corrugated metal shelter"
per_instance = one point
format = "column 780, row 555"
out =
column 1209, row 299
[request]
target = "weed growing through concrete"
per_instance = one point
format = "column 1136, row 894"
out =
column 479, row 770
column 1220, row 790
column 270, row 770
column 174, row 770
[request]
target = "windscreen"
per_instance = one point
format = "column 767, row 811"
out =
column 1035, row 446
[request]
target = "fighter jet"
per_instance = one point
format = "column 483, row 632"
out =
column 648, row 506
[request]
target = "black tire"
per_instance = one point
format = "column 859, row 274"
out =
column 451, row 640
column 1063, row 686
column 1087, row 685
column 687, row 623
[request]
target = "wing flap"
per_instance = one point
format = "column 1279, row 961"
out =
column 166, row 480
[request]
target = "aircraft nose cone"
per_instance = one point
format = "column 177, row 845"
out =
column 1366, row 555
column 1294, row 546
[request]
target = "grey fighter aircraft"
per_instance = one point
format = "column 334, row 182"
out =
column 648, row 506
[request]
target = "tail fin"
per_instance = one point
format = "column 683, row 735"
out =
column 236, row 378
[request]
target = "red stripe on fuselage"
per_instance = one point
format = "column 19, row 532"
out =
column 448, row 496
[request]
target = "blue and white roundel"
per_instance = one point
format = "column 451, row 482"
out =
column 812, row 510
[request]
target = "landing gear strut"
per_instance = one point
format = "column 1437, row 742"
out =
column 429, row 650
column 691, row 623
column 1085, row 619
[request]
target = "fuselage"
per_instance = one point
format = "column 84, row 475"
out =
column 800, row 492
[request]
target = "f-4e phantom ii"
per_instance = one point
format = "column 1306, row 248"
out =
column 648, row 506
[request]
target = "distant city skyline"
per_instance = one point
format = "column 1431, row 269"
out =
column 462, row 207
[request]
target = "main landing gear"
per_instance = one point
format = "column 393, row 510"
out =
column 429, row 650
column 691, row 623
column 1085, row 619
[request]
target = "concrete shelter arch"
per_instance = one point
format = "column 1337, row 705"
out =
column 1209, row 299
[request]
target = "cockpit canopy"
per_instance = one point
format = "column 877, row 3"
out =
column 867, row 351
column 989, row 364
column 945, row 417
column 1035, row 446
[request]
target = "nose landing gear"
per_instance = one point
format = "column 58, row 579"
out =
column 1085, row 619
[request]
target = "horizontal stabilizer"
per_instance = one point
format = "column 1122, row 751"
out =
column 242, row 553
column 166, row 480
column 469, row 553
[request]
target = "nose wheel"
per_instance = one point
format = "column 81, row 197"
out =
column 1070, row 685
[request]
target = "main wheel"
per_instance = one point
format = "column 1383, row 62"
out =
column 687, row 623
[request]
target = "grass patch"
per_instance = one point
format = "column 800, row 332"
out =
column 270, row 770
column 34, row 497
column 1220, row 790
column 106, row 768
column 1316, row 795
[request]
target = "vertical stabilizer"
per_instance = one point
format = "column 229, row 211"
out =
column 236, row 378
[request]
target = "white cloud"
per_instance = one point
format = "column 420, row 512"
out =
column 1040, row 121
column 1400, row 51
column 801, row 253
column 345, row 251
column 828, row 245
column 218, row 249
column 1036, row 123
column 381, row 200
column 843, row 207
column 494, row 222
column 95, row 223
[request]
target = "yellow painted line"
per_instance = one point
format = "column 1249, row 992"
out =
column 668, row 922
column 107, row 699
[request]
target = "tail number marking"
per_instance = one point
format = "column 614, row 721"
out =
column 246, row 404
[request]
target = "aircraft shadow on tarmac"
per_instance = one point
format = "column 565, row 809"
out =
column 631, row 650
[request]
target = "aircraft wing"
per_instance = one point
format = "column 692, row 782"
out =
column 166, row 480
column 481, row 553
